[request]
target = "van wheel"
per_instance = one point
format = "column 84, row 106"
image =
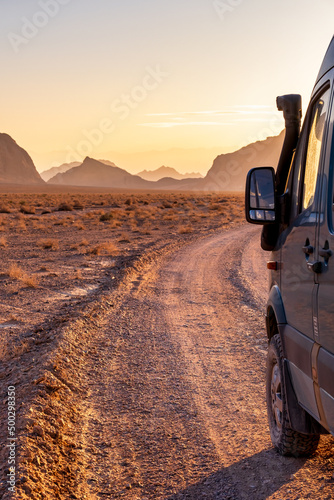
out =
column 285, row 440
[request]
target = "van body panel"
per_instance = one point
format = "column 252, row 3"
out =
column 297, row 282
column 328, row 405
column 276, row 303
column 299, row 349
column 325, row 371
column 303, row 387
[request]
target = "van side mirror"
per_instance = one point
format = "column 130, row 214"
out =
column 260, row 196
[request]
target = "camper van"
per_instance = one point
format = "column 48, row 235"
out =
column 294, row 204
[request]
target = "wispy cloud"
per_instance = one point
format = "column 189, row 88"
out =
column 181, row 114
column 179, row 124
column 240, row 113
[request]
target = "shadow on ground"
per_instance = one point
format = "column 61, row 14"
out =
column 253, row 478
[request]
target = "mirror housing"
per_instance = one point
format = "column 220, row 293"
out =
column 260, row 202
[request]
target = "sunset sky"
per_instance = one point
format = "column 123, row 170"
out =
column 109, row 79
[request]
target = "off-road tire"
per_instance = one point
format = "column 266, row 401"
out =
column 285, row 440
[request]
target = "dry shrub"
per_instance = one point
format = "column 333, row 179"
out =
column 8, row 348
column 109, row 248
column 30, row 280
column 4, row 345
column 215, row 206
column 114, row 223
column 39, row 225
column 141, row 213
column 170, row 216
column 185, row 229
column 106, row 248
column 27, row 210
column 3, row 241
column 88, row 215
column 77, row 205
column 4, row 209
column 106, row 216
column 62, row 222
column 79, row 226
column 65, row 207
column 20, row 222
column 166, row 204
column 130, row 210
column 15, row 272
column 49, row 244
column 76, row 246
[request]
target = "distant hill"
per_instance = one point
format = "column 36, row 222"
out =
column 229, row 171
column 95, row 173
column 51, row 172
column 16, row 166
column 162, row 172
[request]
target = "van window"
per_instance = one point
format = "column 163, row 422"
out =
column 316, row 132
column 297, row 172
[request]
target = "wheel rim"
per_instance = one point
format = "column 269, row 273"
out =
column 276, row 395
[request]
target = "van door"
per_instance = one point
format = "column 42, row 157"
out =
column 298, row 275
column 324, row 333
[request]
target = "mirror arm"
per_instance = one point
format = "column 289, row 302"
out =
column 283, row 208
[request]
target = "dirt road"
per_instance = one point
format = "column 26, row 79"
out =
column 176, row 402
column 153, row 388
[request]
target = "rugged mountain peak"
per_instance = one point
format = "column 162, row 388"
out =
column 16, row 166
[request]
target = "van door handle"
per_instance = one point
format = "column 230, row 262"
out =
column 316, row 267
column 308, row 249
column 325, row 253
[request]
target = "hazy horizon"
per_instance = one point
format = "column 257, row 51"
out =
column 146, row 160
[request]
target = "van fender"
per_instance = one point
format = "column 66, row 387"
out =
column 274, row 308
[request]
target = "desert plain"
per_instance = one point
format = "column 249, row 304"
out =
column 132, row 329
